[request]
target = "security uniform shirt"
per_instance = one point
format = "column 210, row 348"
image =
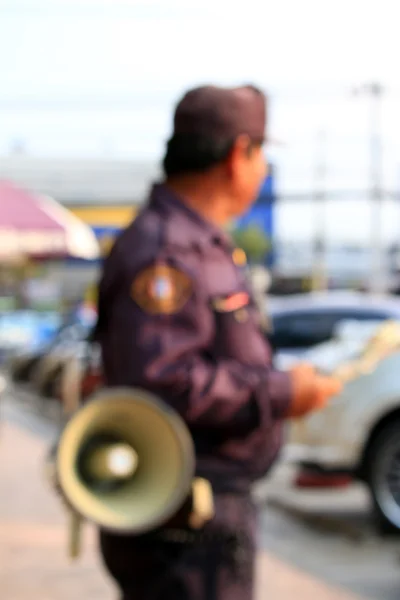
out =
column 177, row 318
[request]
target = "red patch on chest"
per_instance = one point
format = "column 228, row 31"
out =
column 233, row 302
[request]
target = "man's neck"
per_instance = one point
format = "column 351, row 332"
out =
column 203, row 199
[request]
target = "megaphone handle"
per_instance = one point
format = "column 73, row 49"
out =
column 202, row 503
column 74, row 541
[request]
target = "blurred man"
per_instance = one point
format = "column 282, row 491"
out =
column 177, row 318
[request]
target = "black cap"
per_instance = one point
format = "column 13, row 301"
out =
column 222, row 113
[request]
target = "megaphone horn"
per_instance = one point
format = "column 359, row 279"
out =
column 125, row 461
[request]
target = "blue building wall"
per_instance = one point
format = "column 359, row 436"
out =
column 262, row 211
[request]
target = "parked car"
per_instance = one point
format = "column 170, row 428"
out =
column 46, row 371
column 302, row 321
column 358, row 432
column 40, row 363
column 22, row 329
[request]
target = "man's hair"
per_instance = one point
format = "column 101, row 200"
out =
column 192, row 153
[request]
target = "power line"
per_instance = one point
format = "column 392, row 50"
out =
column 160, row 96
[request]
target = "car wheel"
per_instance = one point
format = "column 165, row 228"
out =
column 383, row 477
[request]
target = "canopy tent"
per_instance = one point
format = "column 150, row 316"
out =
column 37, row 226
column 81, row 241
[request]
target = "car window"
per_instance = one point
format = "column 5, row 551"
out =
column 306, row 329
column 364, row 314
column 301, row 330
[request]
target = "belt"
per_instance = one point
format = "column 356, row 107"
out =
column 233, row 545
column 228, row 485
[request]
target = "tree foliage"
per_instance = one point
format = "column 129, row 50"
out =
column 253, row 241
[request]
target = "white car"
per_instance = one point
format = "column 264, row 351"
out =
column 358, row 433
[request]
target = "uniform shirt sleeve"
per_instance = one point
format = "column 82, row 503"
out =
column 169, row 355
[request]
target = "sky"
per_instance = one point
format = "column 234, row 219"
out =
column 92, row 78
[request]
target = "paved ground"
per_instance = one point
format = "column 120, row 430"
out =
column 329, row 535
column 32, row 554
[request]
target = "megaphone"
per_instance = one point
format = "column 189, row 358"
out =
column 126, row 462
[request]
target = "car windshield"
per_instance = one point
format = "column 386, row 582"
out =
column 349, row 329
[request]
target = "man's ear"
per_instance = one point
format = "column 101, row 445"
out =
column 242, row 145
column 239, row 152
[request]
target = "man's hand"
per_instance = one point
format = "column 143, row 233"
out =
column 311, row 391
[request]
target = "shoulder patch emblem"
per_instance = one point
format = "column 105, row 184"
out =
column 161, row 289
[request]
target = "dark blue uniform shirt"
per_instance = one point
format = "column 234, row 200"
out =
column 209, row 358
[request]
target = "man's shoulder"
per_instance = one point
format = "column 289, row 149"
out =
column 146, row 226
column 152, row 237
column 171, row 237
column 142, row 235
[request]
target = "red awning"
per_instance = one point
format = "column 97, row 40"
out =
column 20, row 210
column 33, row 225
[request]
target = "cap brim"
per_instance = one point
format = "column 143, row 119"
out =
column 274, row 142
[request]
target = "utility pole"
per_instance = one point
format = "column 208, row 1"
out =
column 319, row 270
column 379, row 276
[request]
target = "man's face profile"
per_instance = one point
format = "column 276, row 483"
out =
column 247, row 169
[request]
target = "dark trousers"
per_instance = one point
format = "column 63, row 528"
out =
column 173, row 571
